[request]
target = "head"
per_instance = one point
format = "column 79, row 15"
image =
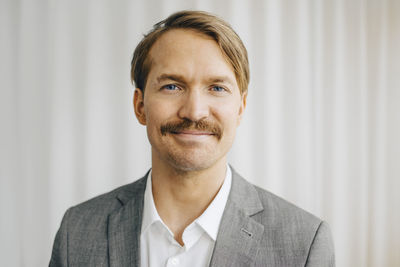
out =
column 229, row 42
column 191, row 76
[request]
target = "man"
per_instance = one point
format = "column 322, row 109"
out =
column 191, row 209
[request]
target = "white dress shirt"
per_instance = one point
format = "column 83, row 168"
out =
column 157, row 244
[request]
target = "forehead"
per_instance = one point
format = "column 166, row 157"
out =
column 189, row 53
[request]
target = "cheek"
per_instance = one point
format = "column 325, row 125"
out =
column 229, row 122
column 228, row 117
column 157, row 113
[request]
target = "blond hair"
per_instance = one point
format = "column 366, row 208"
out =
column 230, row 43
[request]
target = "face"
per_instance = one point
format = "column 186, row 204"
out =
column 192, row 105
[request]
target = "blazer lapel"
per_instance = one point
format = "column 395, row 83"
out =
column 239, row 234
column 124, row 227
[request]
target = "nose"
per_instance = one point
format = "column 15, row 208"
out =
column 194, row 106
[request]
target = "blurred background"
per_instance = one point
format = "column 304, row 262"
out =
column 321, row 128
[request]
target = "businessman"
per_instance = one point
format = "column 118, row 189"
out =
column 191, row 74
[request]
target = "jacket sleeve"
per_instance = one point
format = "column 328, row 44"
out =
column 59, row 255
column 321, row 252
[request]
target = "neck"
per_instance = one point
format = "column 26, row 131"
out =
column 181, row 197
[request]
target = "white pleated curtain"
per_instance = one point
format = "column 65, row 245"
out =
column 321, row 128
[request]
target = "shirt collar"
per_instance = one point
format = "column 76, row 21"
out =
column 211, row 217
column 209, row 220
column 150, row 214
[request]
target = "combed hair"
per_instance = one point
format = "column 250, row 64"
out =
column 230, row 43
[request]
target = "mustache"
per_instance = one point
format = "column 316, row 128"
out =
column 186, row 124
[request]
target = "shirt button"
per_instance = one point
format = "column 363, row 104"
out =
column 174, row 261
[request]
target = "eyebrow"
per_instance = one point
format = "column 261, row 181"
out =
column 181, row 79
column 221, row 79
column 172, row 77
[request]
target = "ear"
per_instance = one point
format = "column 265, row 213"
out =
column 138, row 105
column 243, row 102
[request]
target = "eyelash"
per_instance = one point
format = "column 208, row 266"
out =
column 168, row 85
column 222, row 89
column 217, row 86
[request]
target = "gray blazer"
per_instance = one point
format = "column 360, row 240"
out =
column 257, row 229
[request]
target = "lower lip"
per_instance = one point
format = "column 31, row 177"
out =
column 192, row 137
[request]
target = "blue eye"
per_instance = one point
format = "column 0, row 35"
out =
column 170, row 87
column 218, row 88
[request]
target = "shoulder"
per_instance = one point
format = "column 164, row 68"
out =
column 96, row 210
column 282, row 210
column 291, row 234
column 84, row 228
column 293, row 223
column 275, row 208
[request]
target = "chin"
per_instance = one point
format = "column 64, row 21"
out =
column 190, row 163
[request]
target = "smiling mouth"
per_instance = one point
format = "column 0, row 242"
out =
column 192, row 137
column 199, row 133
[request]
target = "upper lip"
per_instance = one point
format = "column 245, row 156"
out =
column 194, row 132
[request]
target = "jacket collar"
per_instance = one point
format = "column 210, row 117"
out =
column 237, row 239
column 239, row 234
column 124, row 226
